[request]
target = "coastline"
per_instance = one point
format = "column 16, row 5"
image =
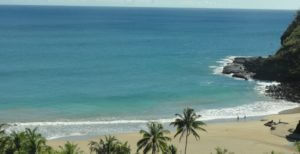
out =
column 290, row 111
column 276, row 106
column 269, row 107
column 245, row 117
column 251, row 136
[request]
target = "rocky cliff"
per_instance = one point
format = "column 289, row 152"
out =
column 283, row 66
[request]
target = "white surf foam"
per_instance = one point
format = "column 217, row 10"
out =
column 65, row 135
column 53, row 130
column 218, row 69
column 261, row 87
column 59, row 129
column 74, row 123
column 259, row 108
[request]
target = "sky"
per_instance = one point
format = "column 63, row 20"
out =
column 240, row 4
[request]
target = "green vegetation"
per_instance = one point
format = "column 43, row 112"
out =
column 284, row 66
column 154, row 139
column 291, row 36
column 110, row 145
column 297, row 145
column 171, row 149
column 70, row 148
column 34, row 142
column 29, row 142
column 188, row 124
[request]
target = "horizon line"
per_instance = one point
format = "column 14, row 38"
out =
column 141, row 6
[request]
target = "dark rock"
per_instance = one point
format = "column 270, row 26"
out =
column 270, row 123
column 295, row 136
column 291, row 130
column 297, row 130
column 243, row 68
column 285, row 123
column 283, row 66
column 241, row 75
column 287, row 91
column 233, row 68
column 244, row 60
column 237, row 68
column 239, row 60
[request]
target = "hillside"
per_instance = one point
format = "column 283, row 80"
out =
column 284, row 66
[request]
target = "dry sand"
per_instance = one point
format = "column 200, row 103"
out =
column 243, row 137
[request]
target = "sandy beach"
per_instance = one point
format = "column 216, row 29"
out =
column 240, row 137
column 81, row 70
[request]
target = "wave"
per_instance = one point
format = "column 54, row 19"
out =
column 260, row 86
column 60, row 129
column 74, row 123
column 259, row 108
column 68, row 123
column 65, row 135
column 218, row 69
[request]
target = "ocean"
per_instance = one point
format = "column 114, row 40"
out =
column 80, row 71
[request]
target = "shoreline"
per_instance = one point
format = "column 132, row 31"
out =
column 251, row 136
column 77, row 134
column 261, row 87
column 214, row 121
column 226, row 120
column 290, row 111
column 246, row 68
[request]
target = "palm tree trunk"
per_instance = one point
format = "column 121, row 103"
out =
column 153, row 150
column 186, row 142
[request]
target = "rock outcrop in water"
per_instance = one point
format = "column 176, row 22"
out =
column 283, row 66
column 237, row 68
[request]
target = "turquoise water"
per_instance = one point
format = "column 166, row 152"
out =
column 94, row 70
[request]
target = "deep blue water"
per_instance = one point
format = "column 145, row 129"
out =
column 90, row 66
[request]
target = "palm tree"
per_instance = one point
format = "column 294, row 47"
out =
column 123, row 148
column 2, row 131
column 49, row 150
column 154, row 139
column 9, row 148
column 110, row 145
column 4, row 139
column 13, row 143
column 17, row 140
column 35, row 142
column 188, row 124
column 70, row 148
column 171, row 149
